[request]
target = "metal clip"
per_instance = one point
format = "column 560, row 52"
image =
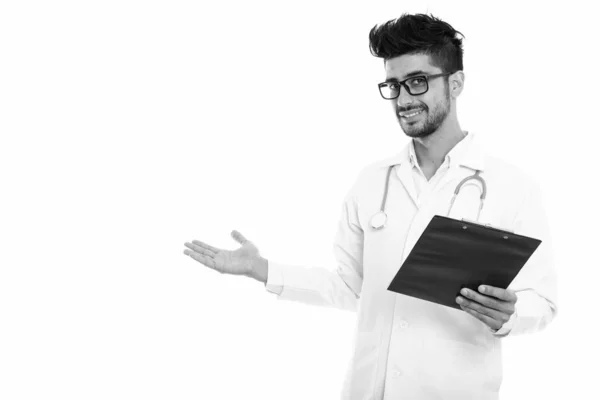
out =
column 488, row 226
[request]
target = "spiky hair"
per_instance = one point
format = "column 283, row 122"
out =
column 419, row 34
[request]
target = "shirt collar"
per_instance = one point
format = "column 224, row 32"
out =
column 468, row 153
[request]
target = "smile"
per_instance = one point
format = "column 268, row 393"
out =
column 412, row 114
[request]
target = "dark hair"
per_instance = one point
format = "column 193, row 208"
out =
column 419, row 34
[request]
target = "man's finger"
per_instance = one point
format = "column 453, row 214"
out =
column 206, row 246
column 493, row 313
column 499, row 293
column 238, row 237
column 489, row 302
column 492, row 323
column 209, row 262
column 200, row 249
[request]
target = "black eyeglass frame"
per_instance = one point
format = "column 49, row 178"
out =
column 403, row 83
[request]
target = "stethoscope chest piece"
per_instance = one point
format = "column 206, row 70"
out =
column 378, row 220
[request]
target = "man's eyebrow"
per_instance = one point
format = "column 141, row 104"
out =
column 412, row 73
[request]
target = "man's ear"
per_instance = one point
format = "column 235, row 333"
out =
column 457, row 83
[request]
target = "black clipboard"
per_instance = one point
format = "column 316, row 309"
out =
column 452, row 254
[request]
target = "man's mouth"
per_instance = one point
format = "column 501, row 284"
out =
column 411, row 113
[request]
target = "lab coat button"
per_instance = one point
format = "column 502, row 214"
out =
column 397, row 373
column 400, row 325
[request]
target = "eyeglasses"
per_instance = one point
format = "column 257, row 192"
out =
column 415, row 85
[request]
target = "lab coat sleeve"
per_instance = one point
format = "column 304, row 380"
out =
column 338, row 288
column 535, row 285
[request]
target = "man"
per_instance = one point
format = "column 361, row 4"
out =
column 407, row 348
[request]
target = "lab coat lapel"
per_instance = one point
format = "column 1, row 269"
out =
column 453, row 177
column 472, row 161
column 404, row 173
column 446, row 191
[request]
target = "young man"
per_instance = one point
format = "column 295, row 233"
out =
column 406, row 347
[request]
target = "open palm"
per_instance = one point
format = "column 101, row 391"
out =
column 237, row 262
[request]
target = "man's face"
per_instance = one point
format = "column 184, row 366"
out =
column 434, row 105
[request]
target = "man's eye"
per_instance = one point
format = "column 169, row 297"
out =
column 417, row 81
column 393, row 86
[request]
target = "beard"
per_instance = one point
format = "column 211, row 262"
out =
column 429, row 122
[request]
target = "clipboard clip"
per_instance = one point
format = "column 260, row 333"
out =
column 488, row 226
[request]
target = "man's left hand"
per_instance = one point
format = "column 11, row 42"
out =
column 493, row 306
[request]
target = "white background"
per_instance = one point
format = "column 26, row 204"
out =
column 130, row 127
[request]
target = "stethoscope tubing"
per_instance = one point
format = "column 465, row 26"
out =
column 381, row 215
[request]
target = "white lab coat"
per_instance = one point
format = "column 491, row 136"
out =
column 407, row 348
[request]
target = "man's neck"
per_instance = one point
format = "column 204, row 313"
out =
column 432, row 150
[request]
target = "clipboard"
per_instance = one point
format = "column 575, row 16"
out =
column 452, row 254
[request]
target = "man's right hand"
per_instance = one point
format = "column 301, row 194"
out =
column 244, row 261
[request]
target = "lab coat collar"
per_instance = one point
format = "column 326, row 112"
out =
column 472, row 156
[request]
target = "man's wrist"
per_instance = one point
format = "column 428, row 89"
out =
column 259, row 269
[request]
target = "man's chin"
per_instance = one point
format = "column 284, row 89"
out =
column 410, row 131
column 415, row 134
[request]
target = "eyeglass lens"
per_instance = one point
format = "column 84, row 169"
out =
column 416, row 85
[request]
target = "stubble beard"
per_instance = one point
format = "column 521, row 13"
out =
column 431, row 123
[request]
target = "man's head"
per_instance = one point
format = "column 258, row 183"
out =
column 413, row 46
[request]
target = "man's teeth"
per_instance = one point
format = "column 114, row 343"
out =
column 412, row 114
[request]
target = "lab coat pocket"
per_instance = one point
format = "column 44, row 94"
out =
column 361, row 373
column 456, row 365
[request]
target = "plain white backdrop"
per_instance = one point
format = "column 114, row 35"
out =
column 130, row 127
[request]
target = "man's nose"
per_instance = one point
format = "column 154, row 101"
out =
column 404, row 98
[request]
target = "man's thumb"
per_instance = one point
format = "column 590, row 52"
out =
column 238, row 237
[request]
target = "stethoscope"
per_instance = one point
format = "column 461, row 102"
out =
column 379, row 220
